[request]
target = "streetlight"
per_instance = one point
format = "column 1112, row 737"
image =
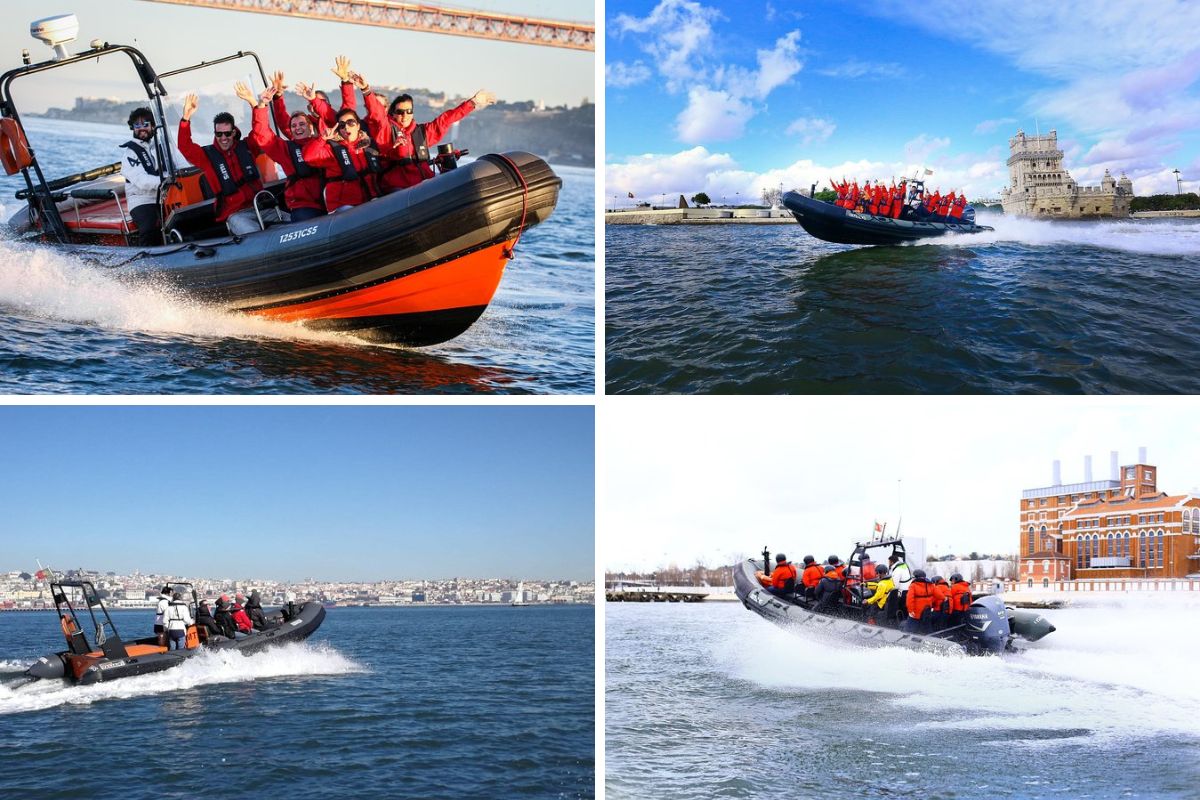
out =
column 1178, row 183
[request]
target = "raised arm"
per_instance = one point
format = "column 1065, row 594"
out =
column 188, row 148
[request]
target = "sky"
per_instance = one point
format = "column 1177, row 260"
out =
column 732, row 97
column 176, row 36
column 287, row 492
column 714, row 479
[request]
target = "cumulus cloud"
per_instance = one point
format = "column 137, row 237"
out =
column 621, row 75
column 919, row 150
column 811, row 131
column 722, row 97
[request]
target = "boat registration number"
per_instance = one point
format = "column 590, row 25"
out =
column 300, row 234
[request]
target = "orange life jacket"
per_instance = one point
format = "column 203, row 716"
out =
column 812, row 576
column 784, row 576
column 920, row 597
column 960, row 596
column 941, row 597
column 840, row 569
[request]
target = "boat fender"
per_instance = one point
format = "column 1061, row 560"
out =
column 14, row 147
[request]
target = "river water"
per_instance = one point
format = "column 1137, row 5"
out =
column 709, row 700
column 388, row 702
column 66, row 327
column 1036, row 306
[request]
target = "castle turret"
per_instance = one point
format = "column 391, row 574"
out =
column 1125, row 185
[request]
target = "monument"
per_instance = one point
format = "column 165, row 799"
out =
column 1040, row 186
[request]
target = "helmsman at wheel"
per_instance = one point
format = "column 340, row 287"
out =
column 141, row 164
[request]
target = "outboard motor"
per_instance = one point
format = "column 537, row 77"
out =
column 51, row 666
column 987, row 624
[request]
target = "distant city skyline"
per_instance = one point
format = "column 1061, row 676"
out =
column 303, row 48
column 731, row 98
column 811, row 478
column 348, row 493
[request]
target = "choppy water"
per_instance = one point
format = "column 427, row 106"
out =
column 66, row 327
column 707, row 700
column 1037, row 306
column 411, row 702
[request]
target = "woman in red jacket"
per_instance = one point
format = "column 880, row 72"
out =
column 350, row 161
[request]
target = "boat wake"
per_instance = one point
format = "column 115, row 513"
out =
column 1158, row 238
column 39, row 282
column 207, row 668
column 1112, row 670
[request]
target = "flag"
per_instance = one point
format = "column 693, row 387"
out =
column 878, row 528
column 41, row 574
column 928, row 172
column 631, row 195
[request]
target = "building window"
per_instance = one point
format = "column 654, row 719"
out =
column 1031, row 583
column 1158, row 561
column 1110, row 551
column 1029, row 541
column 1125, row 545
column 1045, row 544
column 1142, row 549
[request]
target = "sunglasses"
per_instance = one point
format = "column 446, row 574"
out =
column 347, row 123
column 141, row 126
column 399, row 112
column 222, row 134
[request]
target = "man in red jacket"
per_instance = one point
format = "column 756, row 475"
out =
column 228, row 166
column 404, row 143
column 302, row 193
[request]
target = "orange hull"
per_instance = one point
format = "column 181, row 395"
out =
column 424, row 307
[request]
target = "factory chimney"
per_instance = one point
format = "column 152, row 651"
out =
column 1057, row 472
column 1141, row 455
column 1087, row 469
column 1114, row 468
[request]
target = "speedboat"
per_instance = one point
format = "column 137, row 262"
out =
column 106, row 656
column 416, row 267
column 844, row 226
column 990, row 626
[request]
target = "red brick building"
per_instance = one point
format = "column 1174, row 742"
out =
column 1122, row 527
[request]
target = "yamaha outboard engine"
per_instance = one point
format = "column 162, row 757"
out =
column 987, row 624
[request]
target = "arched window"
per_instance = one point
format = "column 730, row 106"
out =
column 1079, row 545
column 1044, row 544
column 1109, row 544
column 1029, row 541
column 1142, row 555
column 1158, row 556
column 1045, row 583
column 1125, row 544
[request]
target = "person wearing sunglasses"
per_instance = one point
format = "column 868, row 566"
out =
column 403, row 142
column 141, row 165
column 228, row 166
column 350, row 161
column 302, row 193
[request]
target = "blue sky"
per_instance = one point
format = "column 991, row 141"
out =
column 731, row 97
column 175, row 36
column 341, row 493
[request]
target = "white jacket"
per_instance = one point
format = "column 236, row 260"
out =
column 161, row 609
column 901, row 576
column 179, row 616
column 142, row 186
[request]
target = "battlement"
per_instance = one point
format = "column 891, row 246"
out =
column 1040, row 185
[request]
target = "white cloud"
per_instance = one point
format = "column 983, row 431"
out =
column 922, row 147
column 989, row 125
column 854, row 69
column 712, row 115
column 722, row 97
column 811, row 131
column 621, row 75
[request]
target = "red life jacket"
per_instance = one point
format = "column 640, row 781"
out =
column 941, row 597
column 812, row 576
column 920, row 597
column 960, row 596
column 784, row 577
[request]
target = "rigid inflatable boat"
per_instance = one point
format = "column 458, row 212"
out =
column 990, row 627
column 106, row 657
column 843, row 226
column 416, row 267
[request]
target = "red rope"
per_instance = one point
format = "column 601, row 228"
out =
column 508, row 253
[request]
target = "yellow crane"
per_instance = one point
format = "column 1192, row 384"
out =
column 419, row 17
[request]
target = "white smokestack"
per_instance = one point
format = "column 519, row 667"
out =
column 1141, row 455
column 1114, row 468
column 1057, row 472
column 1087, row 469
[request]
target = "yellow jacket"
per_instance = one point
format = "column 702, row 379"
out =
column 881, row 592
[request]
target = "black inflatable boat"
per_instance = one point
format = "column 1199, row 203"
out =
column 106, row 657
column 843, row 226
column 990, row 626
column 416, row 267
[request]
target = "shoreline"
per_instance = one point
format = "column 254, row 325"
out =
column 699, row 216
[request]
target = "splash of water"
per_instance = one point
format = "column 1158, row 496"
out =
column 206, row 668
column 45, row 283
column 1161, row 238
column 1114, row 668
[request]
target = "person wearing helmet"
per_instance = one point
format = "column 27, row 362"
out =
column 811, row 577
column 782, row 582
column 939, row 610
column 960, row 599
column 884, row 585
column 829, row 591
column 838, row 567
column 918, row 602
column 868, row 570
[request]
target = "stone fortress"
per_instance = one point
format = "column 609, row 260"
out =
column 1039, row 185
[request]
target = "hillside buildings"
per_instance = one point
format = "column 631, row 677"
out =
column 1120, row 527
column 1040, row 186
